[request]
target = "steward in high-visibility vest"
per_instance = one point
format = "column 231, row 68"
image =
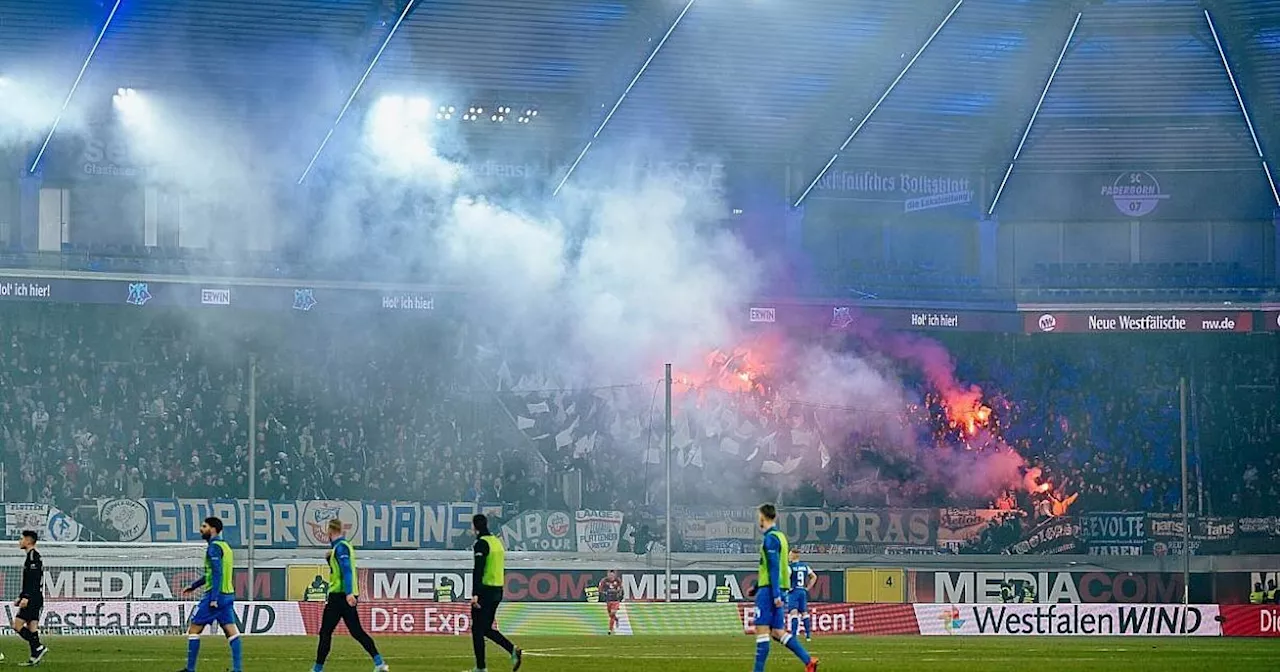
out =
column 1258, row 595
column 1028, row 592
column 488, row 580
column 1006, row 592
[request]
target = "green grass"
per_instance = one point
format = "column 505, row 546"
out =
column 674, row 654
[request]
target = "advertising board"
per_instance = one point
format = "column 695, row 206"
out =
column 1150, row 620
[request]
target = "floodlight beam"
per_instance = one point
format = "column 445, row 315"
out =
column 74, row 85
column 356, row 91
column 625, row 92
column 1035, row 113
column 883, row 97
column 1244, row 110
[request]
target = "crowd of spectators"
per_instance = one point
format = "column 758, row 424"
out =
column 109, row 401
column 1101, row 416
column 100, row 402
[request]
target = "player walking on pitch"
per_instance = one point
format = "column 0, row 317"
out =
column 31, row 600
column 487, row 584
column 341, row 603
column 611, row 592
column 774, row 577
column 802, row 582
column 218, row 603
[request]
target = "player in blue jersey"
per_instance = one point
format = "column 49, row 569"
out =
column 774, row 577
column 218, row 603
column 802, row 581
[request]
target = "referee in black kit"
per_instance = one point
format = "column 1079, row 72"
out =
column 488, row 581
column 30, row 601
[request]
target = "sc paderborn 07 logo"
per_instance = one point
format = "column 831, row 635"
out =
column 1135, row 193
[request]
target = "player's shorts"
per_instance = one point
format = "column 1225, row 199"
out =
column 31, row 612
column 206, row 614
column 613, row 606
column 798, row 600
column 766, row 613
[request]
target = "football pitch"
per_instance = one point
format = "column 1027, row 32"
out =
column 671, row 654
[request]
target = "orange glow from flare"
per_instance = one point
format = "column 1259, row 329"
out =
column 737, row 370
column 966, row 412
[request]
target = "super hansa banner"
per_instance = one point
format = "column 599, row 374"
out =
column 295, row 524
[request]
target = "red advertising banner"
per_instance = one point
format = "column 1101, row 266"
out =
column 1250, row 620
column 850, row 619
column 1175, row 321
column 399, row 617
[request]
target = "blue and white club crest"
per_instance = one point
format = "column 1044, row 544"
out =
column 139, row 294
column 304, row 299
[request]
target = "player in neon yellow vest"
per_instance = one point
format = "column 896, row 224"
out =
column 771, row 586
column 344, row 588
column 489, row 579
column 218, row 603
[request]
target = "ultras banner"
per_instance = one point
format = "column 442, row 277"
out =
column 1150, row 620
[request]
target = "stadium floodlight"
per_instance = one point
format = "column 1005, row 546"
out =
column 894, row 84
column 1244, row 110
column 74, row 85
column 399, row 131
column 124, row 98
column 1026, row 133
column 355, row 91
column 573, row 166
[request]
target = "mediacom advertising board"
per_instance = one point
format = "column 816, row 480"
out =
column 1043, row 620
column 1061, row 587
column 534, row 585
column 136, row 583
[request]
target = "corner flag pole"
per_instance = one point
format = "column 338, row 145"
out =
column 667, row 438
column 253, row 472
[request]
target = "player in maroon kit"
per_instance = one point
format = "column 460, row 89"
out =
column 611, row 594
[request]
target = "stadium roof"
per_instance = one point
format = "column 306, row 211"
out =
column 758, row 80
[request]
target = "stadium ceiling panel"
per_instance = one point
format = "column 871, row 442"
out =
column 970, row 94
column 230, row 45
column 1258, row 23
column 530, row 49
column 1144, row 87
column 753, row 79
column 33, row 33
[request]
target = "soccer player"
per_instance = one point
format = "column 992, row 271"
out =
column 31, row 600
column 774, row 577
column 487, row 584
column 218, row 603
column 611, row 593
column 802, row 582
column 341, row 603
